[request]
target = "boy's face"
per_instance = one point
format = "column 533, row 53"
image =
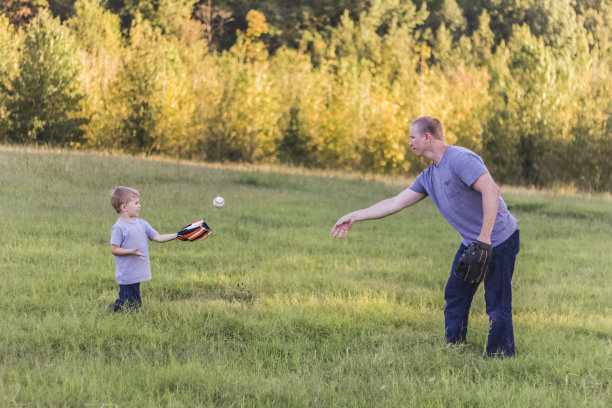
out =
column 132, row 208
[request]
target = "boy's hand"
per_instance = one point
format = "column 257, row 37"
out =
column 118, row 251
column 138, row 254
column 194, row 231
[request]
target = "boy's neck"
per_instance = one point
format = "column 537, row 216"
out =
column 126, row 217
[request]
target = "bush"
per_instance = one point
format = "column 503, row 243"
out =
column 45, row 96
column 9, row 41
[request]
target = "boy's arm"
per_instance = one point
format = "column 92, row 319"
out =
column 164, row 237
column 118, row 251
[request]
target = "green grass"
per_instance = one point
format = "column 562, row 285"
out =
column 272, row 311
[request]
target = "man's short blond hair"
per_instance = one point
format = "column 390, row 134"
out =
column 122, row 195
column 431, row 125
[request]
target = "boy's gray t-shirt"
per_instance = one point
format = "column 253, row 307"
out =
column 129, row 235
column 449, row 186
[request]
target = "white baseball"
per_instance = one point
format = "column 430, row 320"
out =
column 218, row 202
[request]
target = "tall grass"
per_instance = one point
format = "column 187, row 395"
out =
column 270, row 310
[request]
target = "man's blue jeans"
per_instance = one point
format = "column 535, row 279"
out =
column 498, row 299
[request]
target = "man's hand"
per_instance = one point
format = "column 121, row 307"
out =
column 379, row 210
column 343, row 225
column 473, row 265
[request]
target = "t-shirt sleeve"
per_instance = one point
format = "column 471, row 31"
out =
column 417, row 186
column 151, row 233
column 116, row 235
column 469, row 168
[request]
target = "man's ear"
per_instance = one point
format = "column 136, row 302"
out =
column 428, row 137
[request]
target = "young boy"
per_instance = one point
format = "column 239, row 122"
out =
column 129, row 244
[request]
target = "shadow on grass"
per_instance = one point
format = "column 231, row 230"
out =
column 548, row 210
column 232, row 294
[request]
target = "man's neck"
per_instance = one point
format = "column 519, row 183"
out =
column 438, row 152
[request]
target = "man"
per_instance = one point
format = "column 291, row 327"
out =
column 467, row 197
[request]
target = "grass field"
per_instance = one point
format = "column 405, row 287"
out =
column 272, row 311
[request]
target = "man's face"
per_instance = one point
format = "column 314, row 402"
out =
column 417, row 141
column 132, row 208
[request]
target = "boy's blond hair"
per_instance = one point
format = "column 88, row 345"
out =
column 122, row 195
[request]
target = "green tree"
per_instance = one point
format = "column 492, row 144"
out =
column 289, row 21
column 154, row 112
column 9, row 55
column 165, row 15
column 45, row 97
column 243, row 116
column 21, row 12
column 63, row 9
column 293, row 76
column 532, row 112
column 365, row 89
column 100, row 48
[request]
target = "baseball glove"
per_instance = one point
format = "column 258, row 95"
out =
column 194, row 231
column 474, row 263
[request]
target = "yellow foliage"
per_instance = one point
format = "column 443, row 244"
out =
column 343, row 101
column 256, row 24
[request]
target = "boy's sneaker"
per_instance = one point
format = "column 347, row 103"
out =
column 117, row 306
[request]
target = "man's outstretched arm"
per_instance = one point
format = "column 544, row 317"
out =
column 381, row 209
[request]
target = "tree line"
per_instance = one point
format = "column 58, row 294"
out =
column 524, row 83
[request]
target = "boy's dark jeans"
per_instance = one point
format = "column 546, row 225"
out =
column 498, row 299
column 129, row 297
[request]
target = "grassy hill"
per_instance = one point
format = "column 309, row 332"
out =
column 272, row 311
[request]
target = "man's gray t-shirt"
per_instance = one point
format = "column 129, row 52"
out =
column 129, row 235
column 449, row 186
